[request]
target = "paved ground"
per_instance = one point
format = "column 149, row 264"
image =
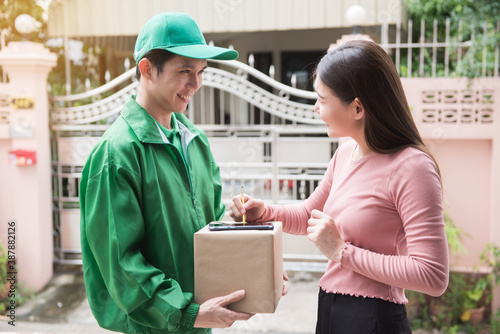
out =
column 62, row 308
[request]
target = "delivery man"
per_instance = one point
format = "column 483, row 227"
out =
column 149, row 184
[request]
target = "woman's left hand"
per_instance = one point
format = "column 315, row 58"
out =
column 323, row 232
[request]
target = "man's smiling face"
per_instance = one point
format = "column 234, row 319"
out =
column 180, row 79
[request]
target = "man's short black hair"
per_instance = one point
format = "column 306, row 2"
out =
column 158, row 57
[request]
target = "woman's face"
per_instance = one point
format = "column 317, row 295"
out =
column 338, row 116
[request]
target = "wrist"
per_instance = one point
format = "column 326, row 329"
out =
column 189, row 314
column 341, row 252
column 260, row 219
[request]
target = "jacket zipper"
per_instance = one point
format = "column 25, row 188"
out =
column 185, row 163
column 193, row 198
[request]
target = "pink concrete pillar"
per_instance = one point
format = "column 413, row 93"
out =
column 26, row 190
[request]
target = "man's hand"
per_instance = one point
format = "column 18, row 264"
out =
column 285, row 287
column 214, row 312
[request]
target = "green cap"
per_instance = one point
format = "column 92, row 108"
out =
column 179, row 34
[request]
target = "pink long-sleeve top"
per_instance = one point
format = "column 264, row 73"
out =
column 388, row 208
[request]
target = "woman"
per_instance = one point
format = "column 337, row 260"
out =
column 377, row 213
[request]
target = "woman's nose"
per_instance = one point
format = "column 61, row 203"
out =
column 316, row 107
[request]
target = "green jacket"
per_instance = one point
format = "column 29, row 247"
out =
column 141, row 203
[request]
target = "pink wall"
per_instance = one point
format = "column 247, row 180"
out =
column 466, row 173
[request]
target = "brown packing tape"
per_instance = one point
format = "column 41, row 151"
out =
column 227, row 261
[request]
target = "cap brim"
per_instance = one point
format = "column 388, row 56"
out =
column 199, row 51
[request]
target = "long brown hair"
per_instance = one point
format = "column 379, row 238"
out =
column 364, row 70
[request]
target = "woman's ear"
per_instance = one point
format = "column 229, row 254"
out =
column 359, row 110
column 146, row 68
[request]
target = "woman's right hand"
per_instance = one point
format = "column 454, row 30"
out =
column 253, row 209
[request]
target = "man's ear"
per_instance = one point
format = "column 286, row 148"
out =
column 146, row 68
column 359, row 110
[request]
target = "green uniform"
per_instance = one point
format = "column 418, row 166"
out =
column 142, row 199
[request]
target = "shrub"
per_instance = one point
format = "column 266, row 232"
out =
column 21, row 295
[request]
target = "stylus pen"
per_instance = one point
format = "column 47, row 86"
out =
column 243, row 201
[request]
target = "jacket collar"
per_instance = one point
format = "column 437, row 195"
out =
column 145, row 126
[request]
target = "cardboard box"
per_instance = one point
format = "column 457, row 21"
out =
column 227, row 261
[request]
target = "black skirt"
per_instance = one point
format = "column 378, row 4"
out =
column 344, row 314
